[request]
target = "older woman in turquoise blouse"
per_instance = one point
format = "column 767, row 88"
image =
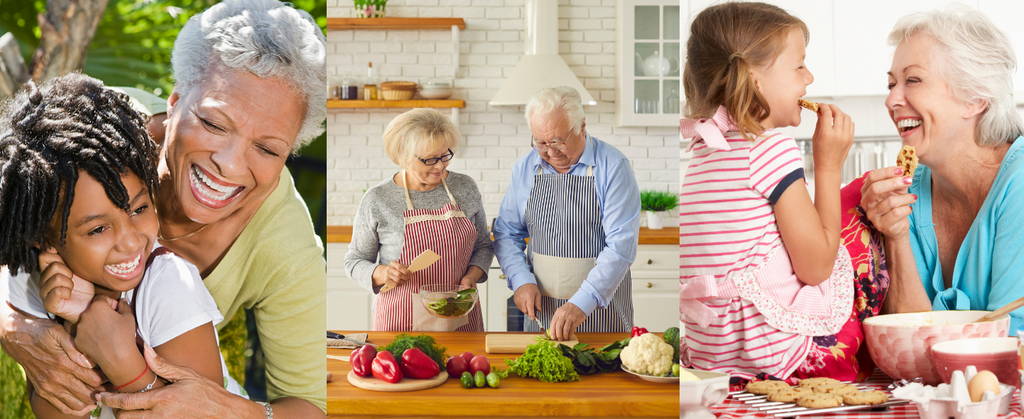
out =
column 954, row 229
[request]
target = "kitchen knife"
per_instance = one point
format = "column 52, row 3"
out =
column 332, row 335
column 536, row 318
column 421, row 262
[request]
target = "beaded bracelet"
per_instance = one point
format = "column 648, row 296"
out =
column 132, row 381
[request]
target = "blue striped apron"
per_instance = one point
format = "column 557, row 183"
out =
column 563, row 218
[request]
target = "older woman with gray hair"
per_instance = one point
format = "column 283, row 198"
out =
column 953, row 230
column 249, row 92
column 422, row 207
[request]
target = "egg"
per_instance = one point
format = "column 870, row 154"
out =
column 983, row 381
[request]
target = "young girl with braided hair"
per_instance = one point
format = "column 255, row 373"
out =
column 77, row 177
column 762, row 271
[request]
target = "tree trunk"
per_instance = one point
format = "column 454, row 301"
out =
column 66, row 30
column 13, row 73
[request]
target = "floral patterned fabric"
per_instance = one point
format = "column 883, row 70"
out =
column 844, row 356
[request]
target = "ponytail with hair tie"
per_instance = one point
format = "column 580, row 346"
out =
column 752, row 32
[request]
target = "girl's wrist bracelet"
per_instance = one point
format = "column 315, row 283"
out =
column 132, row 381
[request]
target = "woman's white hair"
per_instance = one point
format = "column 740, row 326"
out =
column 267, row 38
column 978, row 62
column 551, row 99
column 420, row 130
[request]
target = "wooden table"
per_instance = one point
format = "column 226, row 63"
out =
column 617, row 394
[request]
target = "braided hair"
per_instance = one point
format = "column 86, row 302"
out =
column 48, row 135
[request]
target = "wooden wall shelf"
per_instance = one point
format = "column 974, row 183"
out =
column 396, row 104
column 395, row 23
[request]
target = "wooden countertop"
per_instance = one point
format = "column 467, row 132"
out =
column 667, row 235
column 617, row 394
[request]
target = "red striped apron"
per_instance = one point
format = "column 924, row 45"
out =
column 452, row 236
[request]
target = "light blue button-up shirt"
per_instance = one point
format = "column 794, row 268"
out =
column 619, row 198
column 987, row 272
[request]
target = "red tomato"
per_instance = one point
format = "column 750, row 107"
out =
column 468, row 356
column 456, row 366
column 480, row 363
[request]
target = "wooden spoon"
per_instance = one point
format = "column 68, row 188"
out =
column 1015, row 304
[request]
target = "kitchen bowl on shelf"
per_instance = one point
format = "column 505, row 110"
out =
column 695, row 397
column 900, row 344
column 435, row 90
column 447, row 302
column 998, row 355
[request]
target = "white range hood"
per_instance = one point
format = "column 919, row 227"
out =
column 540, row 66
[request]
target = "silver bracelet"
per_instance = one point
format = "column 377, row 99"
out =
column 270, row 410
column 150, row 386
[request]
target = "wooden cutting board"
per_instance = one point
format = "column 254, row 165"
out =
column 505, row 343
column 407, row 384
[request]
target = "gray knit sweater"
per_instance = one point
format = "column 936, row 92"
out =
column 378, row 233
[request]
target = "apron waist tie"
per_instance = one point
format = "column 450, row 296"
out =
column 699, row 289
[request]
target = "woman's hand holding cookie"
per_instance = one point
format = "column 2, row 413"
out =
column 886, row 202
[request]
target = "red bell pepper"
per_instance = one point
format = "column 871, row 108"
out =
column 637, row 331
column 385, row 367
column 416, row 364
column 361, row 359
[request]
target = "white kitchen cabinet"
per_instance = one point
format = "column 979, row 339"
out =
column 656, row 286
column 348, row 304
column 648, row 63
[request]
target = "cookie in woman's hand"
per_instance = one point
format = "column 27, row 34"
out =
column 907, row 159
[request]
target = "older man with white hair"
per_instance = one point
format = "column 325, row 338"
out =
column 575, row 197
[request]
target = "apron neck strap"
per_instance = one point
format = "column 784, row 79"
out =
column 540, row 170
column 408, row 199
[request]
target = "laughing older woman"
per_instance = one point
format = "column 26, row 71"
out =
column 954, row 236
column 249, row 92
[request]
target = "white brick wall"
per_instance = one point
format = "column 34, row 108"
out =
column 494, row 137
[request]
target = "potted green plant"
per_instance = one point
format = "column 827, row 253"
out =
column 370, row 8
column 656, row 202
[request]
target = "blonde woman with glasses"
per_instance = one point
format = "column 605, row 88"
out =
column 422, row 207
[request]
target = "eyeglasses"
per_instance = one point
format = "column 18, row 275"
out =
column 557, row 144
column 436, row 160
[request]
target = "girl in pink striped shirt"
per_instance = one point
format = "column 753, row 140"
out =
column 762, row 271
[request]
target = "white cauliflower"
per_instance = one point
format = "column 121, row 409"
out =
column 647, row 354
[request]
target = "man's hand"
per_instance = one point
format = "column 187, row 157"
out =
column 527, row 298
column 565, row 321
column 63, row 293
column 59, row 373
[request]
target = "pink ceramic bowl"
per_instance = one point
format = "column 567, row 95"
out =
column 998, row 355
column 900, row 343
